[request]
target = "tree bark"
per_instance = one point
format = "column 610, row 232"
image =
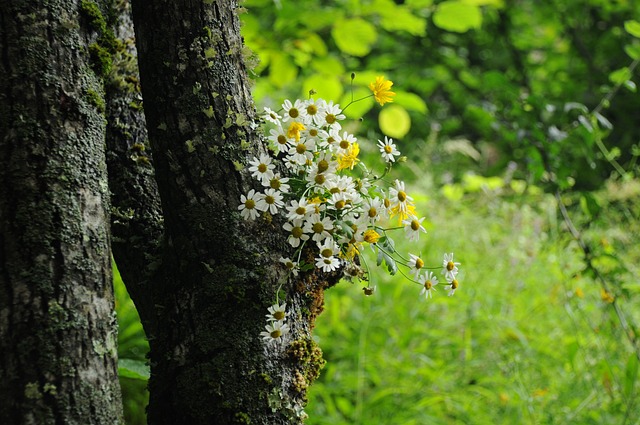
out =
column 218, row 274
column 58, row 358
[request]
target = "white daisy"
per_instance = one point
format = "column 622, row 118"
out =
column 449, row 267
column 452, row 285
column 413, row 227
column 295, row 111
column 388, row 149
column 271, row 116
column 279, row 140
column 319, row 227
column 278, row 183
column 298, row 209
column 290, row 264
column 296, row 234
column 302, row 151
column 277, row 312
column 247, row 206
column 332, row 115
column 428, row 282
column 327, row 260
column 270, row 201
column 275, row 332
column 262, row 168
column 415, row 264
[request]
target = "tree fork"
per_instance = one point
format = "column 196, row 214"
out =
column 218, row 273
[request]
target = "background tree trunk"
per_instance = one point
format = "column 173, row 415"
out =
column 218, row 274
column 57, row 327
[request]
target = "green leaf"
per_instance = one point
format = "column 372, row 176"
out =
column 633, row 50
column 281, row 70
column 457, row 16
column 621, row 75
column 134, row 369
column 325, row 86
column 632, row 27
column 394, row 121
column 354, row 36
column 410, row 101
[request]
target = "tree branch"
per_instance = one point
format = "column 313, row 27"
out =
column 137, row 224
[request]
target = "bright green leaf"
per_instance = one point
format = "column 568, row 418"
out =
column 410, row 101
column 394, row 121
column 354, row 36
column 281, row 70
column 134, row 369
column 456, row 16
column 326, row 87
column 621, row 75
column 633, row 28
column 633, row 50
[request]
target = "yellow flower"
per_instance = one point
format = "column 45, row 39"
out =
column 294, row 130
column 381, row 89
column 349, row 159
column 371, row 236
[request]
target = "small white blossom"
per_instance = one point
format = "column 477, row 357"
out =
column 277, row 312
column 262, row 168
column 413, row 227
column 449, row 267
column 296, row 234
column 428, row 282
column 270, row 201
column 275, row 332
column 388, row 149
column 247, row 206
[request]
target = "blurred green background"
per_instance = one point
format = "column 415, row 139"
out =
column 509, row 113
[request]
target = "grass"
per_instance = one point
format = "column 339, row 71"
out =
column 526, row 339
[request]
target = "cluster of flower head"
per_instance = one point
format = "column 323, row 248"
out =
column 331, row 201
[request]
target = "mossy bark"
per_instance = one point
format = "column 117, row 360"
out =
column 58, row 358
column 218, row 273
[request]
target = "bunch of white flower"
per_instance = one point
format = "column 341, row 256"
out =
column 330, row 200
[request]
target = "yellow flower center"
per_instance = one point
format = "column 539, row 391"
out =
column 318, row 227
column 269, row 199
column 428, row 285
column 340, row 204
column 450, row 265
column 323, row 166
column 313, row 132
column 294, row 113
column 402, row 196
column 319, row 179
column 296, row 232
column 344, row 144
column 282, row 140
column 276, row 333
column 249, row 204
column 275, row 184
column 387, row 202
column 373, row 212
column 388, row 149
column 326, row 253
column 454, row 284
column 262, row 168
column 415, row 225
column 279, row 315
column 334, row 190
column 289, row 264
column 301, row 148
column 331, row 140
column 419, row 263
column 312, row 109
column 330, row 118
column 301, row 210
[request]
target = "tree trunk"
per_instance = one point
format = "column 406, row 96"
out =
column 58, row 361
column 218, row 273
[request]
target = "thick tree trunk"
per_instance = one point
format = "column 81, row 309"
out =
column 218, row 274
column 57, row 327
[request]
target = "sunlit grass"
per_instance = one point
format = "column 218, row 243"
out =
column 526, row 339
